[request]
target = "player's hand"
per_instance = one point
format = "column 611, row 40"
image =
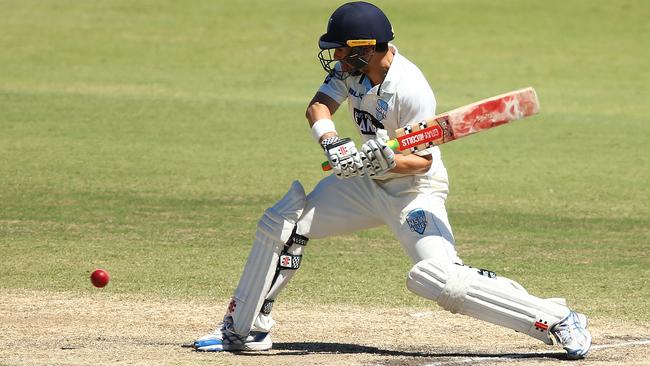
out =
column 377, row 158
column 344, row 158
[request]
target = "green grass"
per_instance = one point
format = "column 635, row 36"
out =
column 148, row 137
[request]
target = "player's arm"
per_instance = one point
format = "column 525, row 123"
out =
column 320, row 109
column 411, row 164
column 341, row 153
column 415, row 105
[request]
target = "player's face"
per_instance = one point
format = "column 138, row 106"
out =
column 340, row 54
column 354, row 60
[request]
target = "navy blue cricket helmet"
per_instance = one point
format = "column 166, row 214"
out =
column 356, row 24
column 360, row 26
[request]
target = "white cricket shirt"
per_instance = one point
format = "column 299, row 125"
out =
column 404, row 97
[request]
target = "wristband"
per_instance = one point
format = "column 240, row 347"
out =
column 328, row 141
column 321, row 127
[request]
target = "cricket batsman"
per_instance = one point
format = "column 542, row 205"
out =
column 372, row 186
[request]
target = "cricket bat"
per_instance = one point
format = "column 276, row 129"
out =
column 463, row 121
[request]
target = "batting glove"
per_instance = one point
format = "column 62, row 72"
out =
column 377, row 158
column 344, row 158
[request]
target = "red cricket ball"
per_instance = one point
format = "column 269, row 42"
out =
column 99, row 278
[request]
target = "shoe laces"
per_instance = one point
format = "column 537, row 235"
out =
column 569, row 330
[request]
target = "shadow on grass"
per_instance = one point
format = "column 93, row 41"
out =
column 298, row 348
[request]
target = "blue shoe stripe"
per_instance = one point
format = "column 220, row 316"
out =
column 259, row 336
column 208, row 342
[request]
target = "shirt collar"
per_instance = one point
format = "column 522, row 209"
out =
column 392, row 76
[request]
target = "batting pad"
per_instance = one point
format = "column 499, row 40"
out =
column 482, row 295
column 273, row 230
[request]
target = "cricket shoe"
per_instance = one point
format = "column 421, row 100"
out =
column 571, row 332
column 211, row 342
column 223, row 339
column 254, row 341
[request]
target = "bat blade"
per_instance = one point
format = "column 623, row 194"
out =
column 464, row 121
column 467, row 120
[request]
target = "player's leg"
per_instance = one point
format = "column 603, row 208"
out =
column 501, row 301
column 334, row 207
column 423, row 230
column 425, row 233
column 274, row 235
column 339, row 206
column 418, row 216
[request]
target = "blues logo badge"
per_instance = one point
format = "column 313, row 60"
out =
column 381, row 110
column 417, row 220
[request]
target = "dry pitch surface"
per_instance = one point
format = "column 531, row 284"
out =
column 43, row 328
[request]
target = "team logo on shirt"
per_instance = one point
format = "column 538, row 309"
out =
column 367, row 123
column 417, row 220
column 382, row 109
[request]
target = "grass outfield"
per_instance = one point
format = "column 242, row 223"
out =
column 148, row 137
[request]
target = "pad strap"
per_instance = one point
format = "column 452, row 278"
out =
column 296, row 238
column 267, row 307
column 289, row 260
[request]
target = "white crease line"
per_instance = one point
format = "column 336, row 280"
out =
column 623, row 344
column 496, row 358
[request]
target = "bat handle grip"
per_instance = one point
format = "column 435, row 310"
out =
column 393, row 144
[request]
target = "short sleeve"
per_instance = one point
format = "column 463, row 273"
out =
column 334, row 88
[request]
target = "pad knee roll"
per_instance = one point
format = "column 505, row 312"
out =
column 482, row 295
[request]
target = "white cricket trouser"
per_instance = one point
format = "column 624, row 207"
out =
column 413, row 207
